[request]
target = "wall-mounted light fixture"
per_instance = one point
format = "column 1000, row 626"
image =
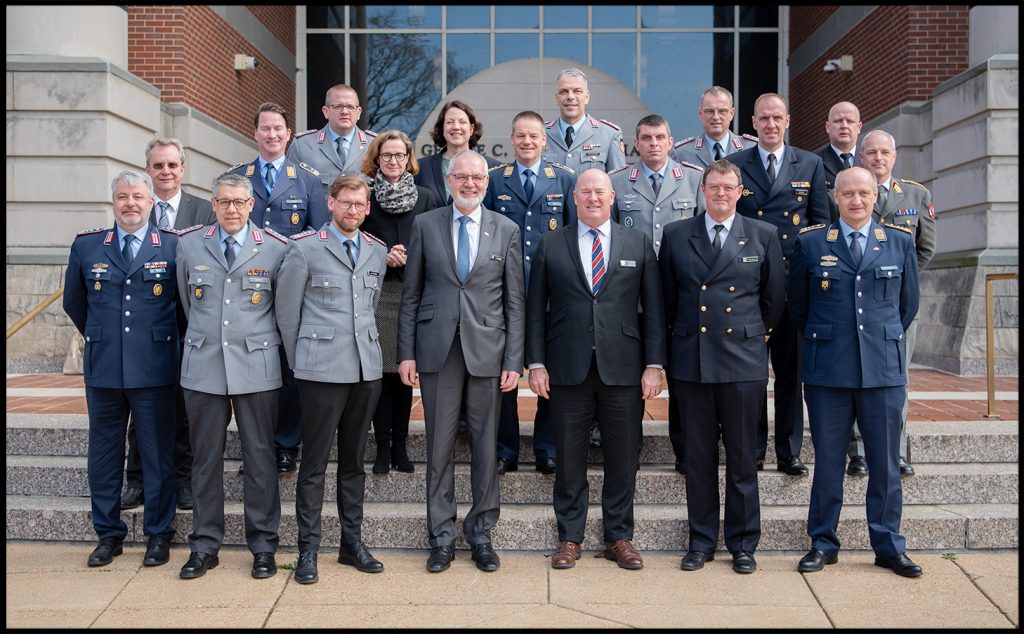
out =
column 840, row 63
column 245, row 62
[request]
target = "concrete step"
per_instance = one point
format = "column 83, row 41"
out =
column 532, row 527
column 970, row 483
column 981, row 441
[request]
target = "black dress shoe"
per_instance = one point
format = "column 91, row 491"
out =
column 900, row 564
column 132, row 497
column 595, row 436
column 485, row 557
column 185, row 498
column 305, row 570
column 816, row 559
column 743, row 563
column 357, row 555
column 905, row 468
column 263, row 566
column 507, row 464
column 792, row 466
column 158, row 552
column 197, row 565
column 105, row 551
column 440, row 558
column 695, row 560
column 858, row 466
column 681, row 466
column 285, row 462
column 547, row 466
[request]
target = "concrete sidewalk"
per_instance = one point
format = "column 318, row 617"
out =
column 49, row 585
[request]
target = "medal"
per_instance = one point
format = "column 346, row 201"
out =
column 199, row 292
column 97, row 286
column 552, row 224
column 295, row 219
column 796, row 218
column 824, row 285
column 158, row 289
column 256, row 297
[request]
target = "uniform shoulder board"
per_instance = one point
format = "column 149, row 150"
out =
column 374, row 238
column 303, row 234
column 903, row 229
column 370, row 132
column 271, row 232
column 88, row 231
column 548, row 124
column 234, row 167
column 812, row 228
column 181, row 232
column 621, row 168
column 610, row 124
column 692, row 166
column 688, row 139
column 563, row 167
column 749, row 137
column 302, row 134
column 903, row 180
column 491, row 169
column 309, row 169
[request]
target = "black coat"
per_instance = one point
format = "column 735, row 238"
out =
column 395, row 228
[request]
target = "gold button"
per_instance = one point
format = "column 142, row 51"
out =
column 703, row 329
column 760, row 213
column 728, row 309
column 703, row 308
column 732, row 289
column 703, row 287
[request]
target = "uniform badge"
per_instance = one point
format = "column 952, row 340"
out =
column 747, row 192
column 796, row 218
column 550, row 173
column 552, row 224
column 628, row 221
column 622, row 146
column 833, row 235
column 256, row 297
column 879, row 234
column 291, row 171
column 504, row 197
column 896, row 187
column 509, row 170
column 158, row 289
column 199, row 292
column 829, row 258
column 249, row 171
column 295, row 219
column 97, row 286
column 201, row 267
column 826, row 263
column 824, row 285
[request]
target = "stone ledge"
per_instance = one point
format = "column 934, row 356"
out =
column 60, row 64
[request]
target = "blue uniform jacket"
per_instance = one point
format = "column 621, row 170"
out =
column 128, row 315
column 296, row 204
column 854, row 317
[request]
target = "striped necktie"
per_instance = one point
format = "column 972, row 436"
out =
column 597, row 268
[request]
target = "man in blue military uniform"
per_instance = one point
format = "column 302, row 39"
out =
column 289, row 199
column 119, row 291
column 716, row 112
column 537, row 195
column 853, row 292
column 576, row 140
column 784, row 186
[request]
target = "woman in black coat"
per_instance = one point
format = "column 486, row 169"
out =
column 456, row 129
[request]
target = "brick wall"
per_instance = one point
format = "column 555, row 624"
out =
column 900, row 54
column 804, row 20
column 279, row 19
column 188, row 53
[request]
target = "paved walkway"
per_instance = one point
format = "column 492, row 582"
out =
column 49, row 585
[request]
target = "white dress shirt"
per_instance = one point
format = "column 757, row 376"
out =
column 779, row 153
column 709, row 226
column 586, row 242
column 473, row 227
column 172, row 213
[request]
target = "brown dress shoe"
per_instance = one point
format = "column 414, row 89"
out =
column 623, row 553
column 565, row 555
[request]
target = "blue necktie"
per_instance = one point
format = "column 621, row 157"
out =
column 528, row 185
column 271, row 176
column 126, row 252
column 351, row 252
column 855, row 250
column 164, row 221
column 229, row 251
column 462, row 258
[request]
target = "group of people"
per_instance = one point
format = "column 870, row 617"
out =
column 339, row 271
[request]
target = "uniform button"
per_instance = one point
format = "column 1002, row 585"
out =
column 859, row 293
column 226, row 323
column 760, row 213
column 267, row 223
column 225, row 343
column 354, row 296
column 595, row 302
column 657, row 209
column 265, row 344
column 657, row 243
column 568, row 155
column 861, row 326
column 168, row 338
column 858, row 278
column 127, row 281
column 199, row 280
column 527, row 258
column 732, row 289
column 728, row 309
column 227, row 301
column 728, row 331
column 703, row 287
column 889, row 273
column 825, row 274
column 703, row 328
column 591, row 329
column 529, row 213
column 785, row 214
column 229, row 280
column 703, row 309
column 353, row 277
column 814, row 335
column 257, row 285
column 88, row 339
column 189, row 340
column 314, row 335
column 127, row 297
column 127, row 313
column 657, row 226
column 527, row 243
column 860, row 311
column 127, row 329
column 529, row 228
column 326, row 284
column 785, row 236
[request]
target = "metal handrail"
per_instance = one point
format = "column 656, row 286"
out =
column 32, row 314
column 990, row 339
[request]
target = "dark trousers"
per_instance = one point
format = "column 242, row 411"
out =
column 391, row 417
column 153, row 411
column 831, row 412
column 443, row 394
column 288, row 431
column 182, row 449
column 209, row 415
column 508, row 429
column 786, row 347
column 619, row 412
column 730, row 410
column 345, row 409
column 676, row 428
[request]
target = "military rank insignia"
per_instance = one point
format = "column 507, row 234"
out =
column 879, row 234
column 509, row 171
column 628, row 221
column 158, row 289
column 249, row 171
column 552, row 224
column 291, row 171
column 256, row 297
column 97, row 286
column 747, row 192
column 295, row 218
column 833, row 235
column 931, row 211
column 504, row 197
column 550, row 173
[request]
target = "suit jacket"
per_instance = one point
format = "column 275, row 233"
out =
column 909, row 205
column 610, row 324
column 596, row 144
column 696, row 150
column 796, row 199
column 719, row 307
column 487, row 309
column 636, row 206
column 127, row 314
column 853, row 317
column 297, row 202
column 192, row 211
column 394, row 229
column 833, row 165
column 232, row 339
column 431, row 175
column 315, row 148
column 325, row 308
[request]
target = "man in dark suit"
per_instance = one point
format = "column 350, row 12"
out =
column 843, row 128
column 460, row 325
column 588, row 343
column 725, row 286
column 119, row 292
column 176, row 209
column 853, row 293
column 785, row 187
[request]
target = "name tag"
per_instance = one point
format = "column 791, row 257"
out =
column 750, row 258
column 889, row 268
column 373, row 273
column 629, row 264
column 497, row 258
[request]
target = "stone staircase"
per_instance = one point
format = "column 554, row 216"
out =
column 964, row 494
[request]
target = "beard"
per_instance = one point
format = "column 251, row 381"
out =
column 463, row 202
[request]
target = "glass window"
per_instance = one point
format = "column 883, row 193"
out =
column 721, row 73
column 615, row 54
column 329, row 53
column 510, row 46
column 516, row 17
column 565, row 17
column 673, row 16
column 761, row 15
column 415, row 16
column 468, row 17
column 399, row 78
column 325, row 17
column 571, row 46
column 759, row 73
column 613, row 17
column 468, row 54
column 666, row 90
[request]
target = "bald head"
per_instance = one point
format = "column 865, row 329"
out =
column 594, row 196
column 843, row 126
column 855, row 194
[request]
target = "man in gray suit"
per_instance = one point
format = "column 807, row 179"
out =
column 227, row 275
column 328, row 290
column 461, row 324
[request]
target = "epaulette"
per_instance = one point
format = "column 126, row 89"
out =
column 812, row 228
column 684, row 141
column 497, row 167
column 749, row 137
column 234, row 167
column 309, row 169
column 370, row 132
column 271, row 232
column 691, row 165
column 88, row 231
column 610, row 124
column 903, row 180
column 563, row 167
column 302, row 134
column 548, row 124
column 620, row 169
column 374, row 238
column 303, row 234
column 903, row 229
column 186, row 230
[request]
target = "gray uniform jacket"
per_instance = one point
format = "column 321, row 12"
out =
column 636, row 206
column 315, row 148
column 598, row 143
column 909, row 206
column 696, row 150
column 232, row 339
column 325, row 308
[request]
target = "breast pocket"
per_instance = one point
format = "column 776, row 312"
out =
column 888, row 280
column 828, row 283
column 326, row 291
column 371, row 286
column 293, row 213
column 158, row 286
column 99, row 286
column 685, row 207
column 257, row 292
column 200, row 288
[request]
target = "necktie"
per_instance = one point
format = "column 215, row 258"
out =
column 597, row 269
column 656, row 183
column 771, row 168
column 528, row 185
column 126, row 252
column 855, row 249
column 847, row 160
column 717, row 244
column 342, row 154
column 568, row 137
column 883, row 195
column 229, row 251
column 164, row 221
column 271, row 175
column 718, row 151
column 462, row 258
column 349, row 248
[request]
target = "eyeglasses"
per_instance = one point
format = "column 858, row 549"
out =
column 346, row 205
column 710, row 112
column 714, row 189
column 225, row 203
column 393, row 156
column 339, row 107
column 462, row 178
column 170, row 166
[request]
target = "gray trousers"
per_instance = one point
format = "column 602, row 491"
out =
column 443, row 393
column 856, row 447
column 256, row 415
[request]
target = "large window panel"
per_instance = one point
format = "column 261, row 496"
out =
column 469, row 17
column 329, row 53
column 613, row 17
column 615, row 54
column 568, row 45
column 468, row 54
column 415, row 16
column 667, row 87
column 320, row 16
column 682, row 16
column 759, row 73
column 517, row 17
column 765, row 15
column 510, row 46
column 398, row 76
column 565, row 17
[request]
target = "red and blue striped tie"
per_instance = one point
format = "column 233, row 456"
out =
column 597, row 268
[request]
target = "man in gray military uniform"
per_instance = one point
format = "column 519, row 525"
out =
column 908, row 205
column 716, row 112
column 338, row 147
column 227, row 274
column 578, row 141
